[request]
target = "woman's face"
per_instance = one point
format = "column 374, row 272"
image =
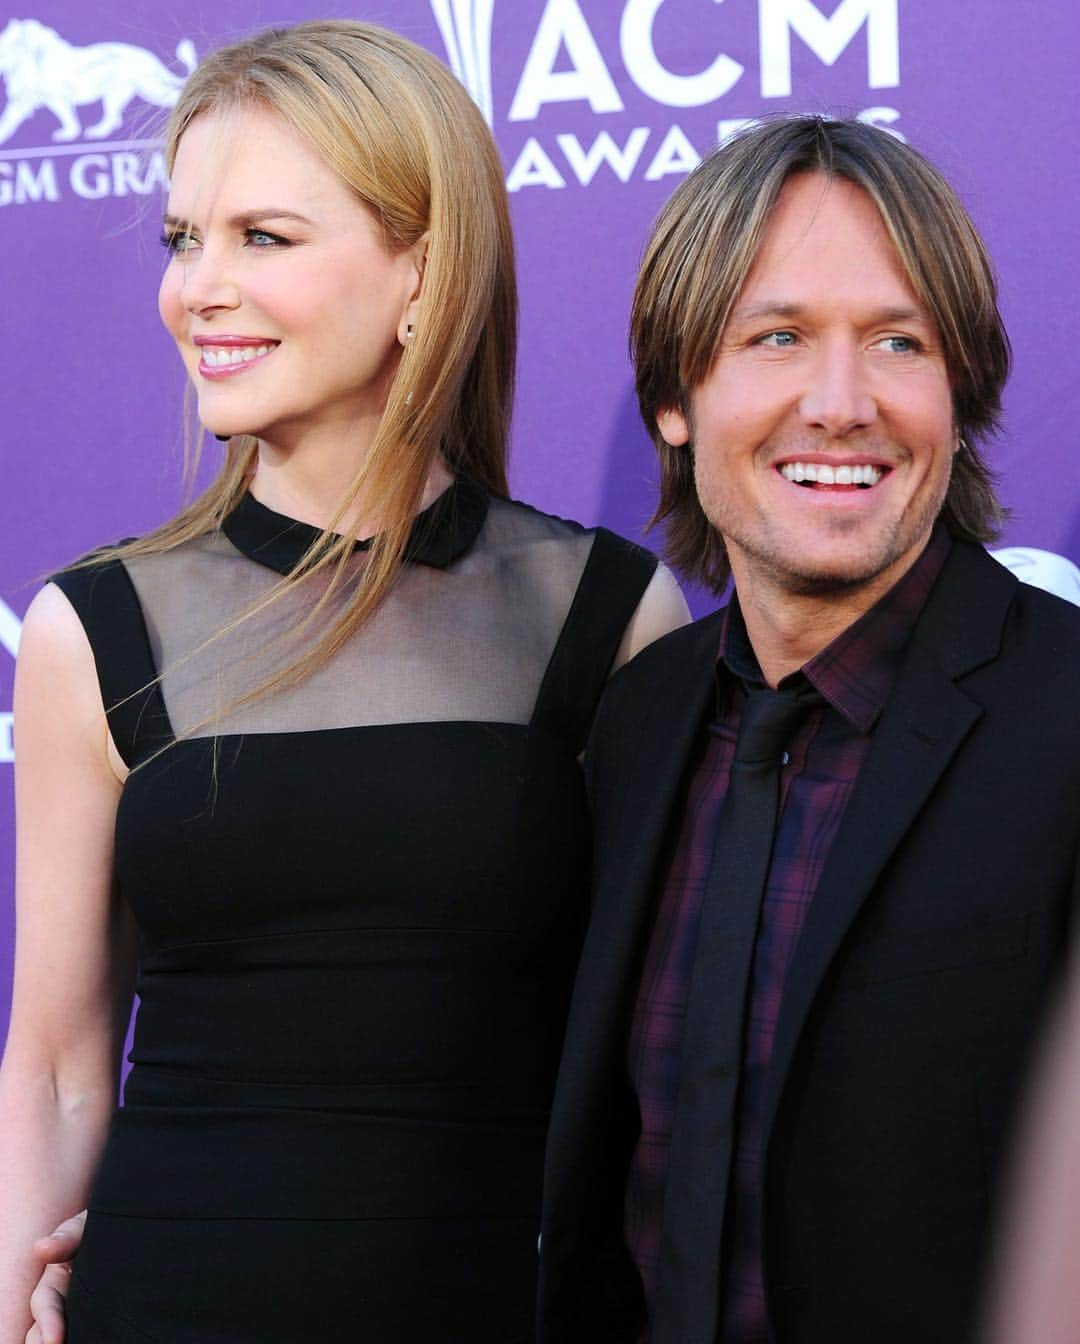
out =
column 287, row 309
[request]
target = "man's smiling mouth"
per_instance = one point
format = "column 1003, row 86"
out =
column 863, row 475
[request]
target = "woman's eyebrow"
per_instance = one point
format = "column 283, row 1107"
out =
column 246, row 218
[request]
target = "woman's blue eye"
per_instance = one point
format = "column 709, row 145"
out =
column 261, row 238
column 779, row 339
column 901, row 345
column 176, row 242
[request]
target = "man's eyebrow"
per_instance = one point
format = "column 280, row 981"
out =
column 901, row 313
column 768, row 308
column 244, row 220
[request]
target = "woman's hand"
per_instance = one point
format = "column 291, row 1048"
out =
column 56, row 1253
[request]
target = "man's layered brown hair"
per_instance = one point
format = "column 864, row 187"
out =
column 703, row 247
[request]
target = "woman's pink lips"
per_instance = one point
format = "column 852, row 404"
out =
column 216, row 372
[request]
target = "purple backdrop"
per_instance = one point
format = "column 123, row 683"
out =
column 600, row 107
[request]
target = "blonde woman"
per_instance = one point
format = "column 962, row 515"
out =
column 301, row 765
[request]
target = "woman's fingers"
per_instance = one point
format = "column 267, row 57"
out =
column 61, row 1245
column 47, row 1305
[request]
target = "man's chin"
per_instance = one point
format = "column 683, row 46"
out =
column 840, row 575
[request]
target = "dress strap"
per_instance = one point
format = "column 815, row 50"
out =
column 616, row 575
column 108, row 606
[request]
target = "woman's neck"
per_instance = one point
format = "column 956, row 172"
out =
column 313, row 494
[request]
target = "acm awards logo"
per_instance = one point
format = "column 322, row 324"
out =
column 42, row 72
column 10, row 629
column 566, row 65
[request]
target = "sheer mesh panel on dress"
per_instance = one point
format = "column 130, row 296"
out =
column 469, row 642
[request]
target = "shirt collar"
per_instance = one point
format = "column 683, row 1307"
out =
column 856, row 671
column 441, row 534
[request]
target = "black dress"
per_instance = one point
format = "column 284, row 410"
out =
column 360, row 902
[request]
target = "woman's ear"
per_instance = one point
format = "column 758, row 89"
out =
column 410, row 315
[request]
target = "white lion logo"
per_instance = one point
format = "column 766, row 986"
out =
column 40, row 70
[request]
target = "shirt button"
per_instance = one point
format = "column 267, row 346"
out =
column 785, row 759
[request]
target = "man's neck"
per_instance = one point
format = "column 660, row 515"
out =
column 787, row 628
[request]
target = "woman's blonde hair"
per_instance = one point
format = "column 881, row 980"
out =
column 406, row 138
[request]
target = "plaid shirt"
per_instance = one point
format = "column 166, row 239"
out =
column 854, row 675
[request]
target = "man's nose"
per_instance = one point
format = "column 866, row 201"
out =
column 838, row 398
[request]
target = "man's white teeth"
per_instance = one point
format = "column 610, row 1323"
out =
column 819, row 472
column 215, row 357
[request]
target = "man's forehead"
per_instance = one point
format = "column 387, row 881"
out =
column 810, row 210
column 825, row 239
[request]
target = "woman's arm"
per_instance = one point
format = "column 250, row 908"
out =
column 74, row 953
column 662, row 609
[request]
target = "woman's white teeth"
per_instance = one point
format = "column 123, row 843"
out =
column 217, row 356
column 822, row 474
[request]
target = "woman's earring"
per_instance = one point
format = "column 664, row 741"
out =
column 409, row 330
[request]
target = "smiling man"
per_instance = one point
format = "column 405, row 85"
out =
column 838, row 821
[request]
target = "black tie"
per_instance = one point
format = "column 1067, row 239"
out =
column 687, row 1305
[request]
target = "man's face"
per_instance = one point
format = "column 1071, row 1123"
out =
column 823, row 434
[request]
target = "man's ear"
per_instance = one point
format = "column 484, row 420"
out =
column 410, row 315
column 673, row 426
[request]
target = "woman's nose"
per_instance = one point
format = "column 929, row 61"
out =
column 207, row 281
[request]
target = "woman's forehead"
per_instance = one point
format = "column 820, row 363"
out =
column 247, row 158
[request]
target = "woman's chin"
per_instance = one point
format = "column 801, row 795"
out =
column 223, row 429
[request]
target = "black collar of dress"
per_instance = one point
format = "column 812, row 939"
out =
column 442, row 533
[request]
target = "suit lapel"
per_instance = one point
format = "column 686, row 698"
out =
column 678, row 700
column 922, row 727
column 682, row 697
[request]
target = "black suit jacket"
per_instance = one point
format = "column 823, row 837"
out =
column 918, row 983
